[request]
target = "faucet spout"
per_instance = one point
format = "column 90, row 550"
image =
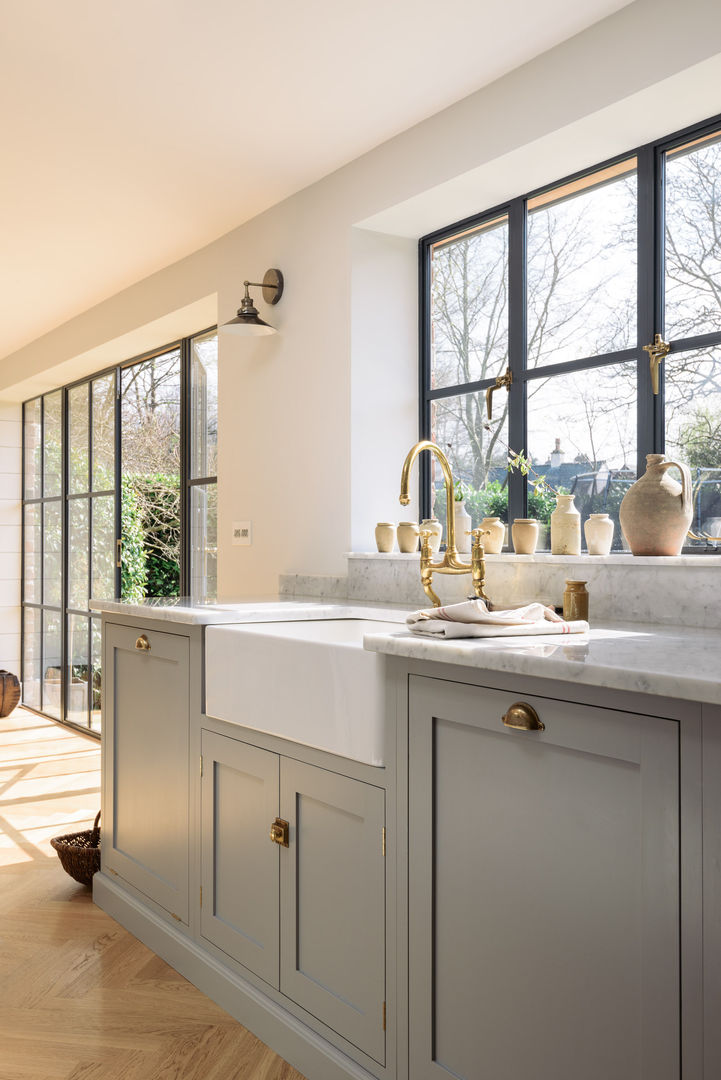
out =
column 426, row 444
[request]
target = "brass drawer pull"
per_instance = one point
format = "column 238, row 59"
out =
column 523, row 717
column 279, row 832
column 142, row 643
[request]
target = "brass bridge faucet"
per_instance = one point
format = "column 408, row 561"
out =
column 450, row 563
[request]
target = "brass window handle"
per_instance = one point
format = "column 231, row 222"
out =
column 280, row 832
column 523, row 717
column 119, row 553
column 501, row 380
column 142, row 644
column 656, row 352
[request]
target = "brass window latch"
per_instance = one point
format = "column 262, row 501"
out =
column 501, row 380
column 656, row 352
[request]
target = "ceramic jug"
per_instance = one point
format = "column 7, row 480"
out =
column 524, row 532
column 493, row 543
column 463, row 527
column 434, row 527
column 565, row 527
column 656, row 511
column 599, row 534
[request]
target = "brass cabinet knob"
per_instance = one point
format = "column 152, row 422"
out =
column 280, row 832
column 523, row 717
column 142, row 643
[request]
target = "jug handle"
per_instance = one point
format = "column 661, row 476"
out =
column 685, row 483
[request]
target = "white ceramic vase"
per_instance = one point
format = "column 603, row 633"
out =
column 408, row 536
column 524, row 533
column 434, row 527
column 565, row 527
column 599, row 534
column 493, row 543
column 385, row 536
column 463, row 527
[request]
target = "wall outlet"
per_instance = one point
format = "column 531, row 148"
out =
column 242, row 533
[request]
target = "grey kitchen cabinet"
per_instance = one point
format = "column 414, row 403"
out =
column 308, row 918
column 145, row 763
column 543, row 890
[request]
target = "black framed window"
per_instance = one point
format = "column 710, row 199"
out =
column 559, row 291
column 112, row 465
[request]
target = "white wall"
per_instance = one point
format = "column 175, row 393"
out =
column 10, row 491
column 314, row 422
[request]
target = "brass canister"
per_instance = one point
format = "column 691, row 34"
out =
column 575, row 601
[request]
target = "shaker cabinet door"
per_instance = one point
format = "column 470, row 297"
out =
column 239, row 911
column 145, row 763
column 333, row 902
column 543, row 893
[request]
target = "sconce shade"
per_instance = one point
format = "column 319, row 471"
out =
column 247, row 322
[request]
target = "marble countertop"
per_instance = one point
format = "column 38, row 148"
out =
column 250, row 609
column 683, row 662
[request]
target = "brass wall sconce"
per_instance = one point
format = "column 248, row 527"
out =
column 248, row 322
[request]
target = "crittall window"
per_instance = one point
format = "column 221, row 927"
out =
column 556, row 302
column 119, row 499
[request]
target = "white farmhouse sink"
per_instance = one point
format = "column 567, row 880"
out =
column 311, row 682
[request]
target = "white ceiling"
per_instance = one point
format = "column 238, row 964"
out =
column 133, row 133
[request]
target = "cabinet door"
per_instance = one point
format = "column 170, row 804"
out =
column 239, row 911
column 145, row 754
column 333, row 902
column 544, row 884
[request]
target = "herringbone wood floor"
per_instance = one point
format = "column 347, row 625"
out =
column 80, row 997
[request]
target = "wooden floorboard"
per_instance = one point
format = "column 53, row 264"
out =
column 80, row 997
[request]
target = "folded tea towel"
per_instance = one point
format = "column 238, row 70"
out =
column 472, row 618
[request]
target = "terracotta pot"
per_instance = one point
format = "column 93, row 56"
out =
column 385, row 536
column 565, row 527
column 524, row 532
column 434, row 527
column 656, row 511
column 599, row 534
column 493, row 544
column 408, row 536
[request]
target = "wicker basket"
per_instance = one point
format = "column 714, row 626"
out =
column 79, row 853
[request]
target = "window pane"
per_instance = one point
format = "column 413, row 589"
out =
column 204, row 406
column 78, row 553
column 581, row 251
column 97, row 684
column 104, row 547
column 78, row 670
column 103, row 398
column 693, row 239
column 78, row 436
column 52, row 556
column 582, row 438
column 32, row 433
column 478, row 458
column 151, row 477
column 52, row 443
column 33, row 554
column 204, row 541
column 693, row 429
column 32, row 661
column 469, row 306
column 51, row 663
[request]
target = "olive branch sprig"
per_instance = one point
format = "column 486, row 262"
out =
column 519, row 460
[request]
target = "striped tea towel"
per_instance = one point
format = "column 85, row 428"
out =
column 473, row 619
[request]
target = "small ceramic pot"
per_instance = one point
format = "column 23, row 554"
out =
column 565, row 527
column 493, row 543
column 408, row 533
column 434, row 527
column 385, row 536
column 463, row 527
column 524, row 533
column 599, row 534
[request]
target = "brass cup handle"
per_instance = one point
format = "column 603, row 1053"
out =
column 142, row 643
column 280, row 832
column 523, row 717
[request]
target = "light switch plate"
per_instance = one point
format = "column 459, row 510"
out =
column 242, row 533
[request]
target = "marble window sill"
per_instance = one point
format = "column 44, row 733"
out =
column 544, row 558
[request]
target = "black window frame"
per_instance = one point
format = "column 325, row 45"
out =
column 650, row 433
column 184, row 347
